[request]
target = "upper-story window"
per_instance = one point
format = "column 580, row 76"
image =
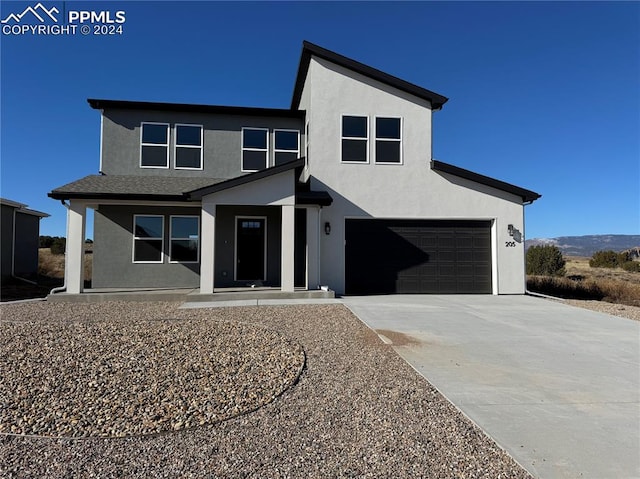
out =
column 154, row 151
column 255, row 149
column 388, row 140
column 286, row 146
column 355, row 139
column 188, row 147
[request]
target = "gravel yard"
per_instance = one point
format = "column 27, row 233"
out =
column 356, row 410
column 622, row 310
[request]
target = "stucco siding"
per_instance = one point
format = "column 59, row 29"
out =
column 222, row 141
column 113, row 265
column 408, row 190
column 27, row 228
column 6, row 240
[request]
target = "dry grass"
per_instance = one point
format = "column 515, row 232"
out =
column 578, row 268
column 613, row 285
column 52, row 265
column 50, row 275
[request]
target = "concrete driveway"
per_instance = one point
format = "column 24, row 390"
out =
column 558, row 387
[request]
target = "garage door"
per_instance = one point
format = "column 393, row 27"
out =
column 417, row 256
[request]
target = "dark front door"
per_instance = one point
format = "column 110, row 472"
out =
column 250, row 248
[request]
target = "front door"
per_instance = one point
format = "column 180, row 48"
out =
column 251, row 248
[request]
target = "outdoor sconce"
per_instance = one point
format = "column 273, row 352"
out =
column 510, row 228
column 327, row 228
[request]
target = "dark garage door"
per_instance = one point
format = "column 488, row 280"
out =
column 417, row 256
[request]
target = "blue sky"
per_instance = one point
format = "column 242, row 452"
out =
column 545, row 95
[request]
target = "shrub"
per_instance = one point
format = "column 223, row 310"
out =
column 611, row 259
column 604, row 259
column 58, row 246
column 631, row 266
column 545, row 260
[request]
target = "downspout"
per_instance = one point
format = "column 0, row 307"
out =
column 319, row 259
column 63, row 288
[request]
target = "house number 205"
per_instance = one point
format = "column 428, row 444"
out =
column 510, row 244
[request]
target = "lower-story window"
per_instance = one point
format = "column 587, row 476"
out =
column 185, row 239
column 148, row 234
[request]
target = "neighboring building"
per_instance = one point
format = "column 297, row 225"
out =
column 340, row 190
column 20, row 237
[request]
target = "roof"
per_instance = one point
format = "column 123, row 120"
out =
column 22, row 208
column 197, row 194
column 131, row 187
column 192, row 108
column 165, row 188
column 309, row 50
column 527, row 196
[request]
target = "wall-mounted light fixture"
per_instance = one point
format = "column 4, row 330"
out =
column 510, row 228
column 327, row 228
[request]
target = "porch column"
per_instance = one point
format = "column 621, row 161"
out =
column 74, row 257
column 288, row 231
column 207, row 247
column 313, row 248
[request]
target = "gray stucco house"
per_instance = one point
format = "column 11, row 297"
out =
column 340, row 189
column 20, row 238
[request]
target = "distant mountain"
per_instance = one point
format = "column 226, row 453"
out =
column 587, row 245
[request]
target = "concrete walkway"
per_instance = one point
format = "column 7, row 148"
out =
column 558, row 387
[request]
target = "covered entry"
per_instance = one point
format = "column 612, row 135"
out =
column 417, row 256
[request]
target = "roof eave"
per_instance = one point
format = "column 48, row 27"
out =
column 102, row 104
column 527, row 196
column 72, row 195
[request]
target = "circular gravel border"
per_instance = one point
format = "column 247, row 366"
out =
column 143, row 377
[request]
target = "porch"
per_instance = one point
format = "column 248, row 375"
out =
column 237, row 296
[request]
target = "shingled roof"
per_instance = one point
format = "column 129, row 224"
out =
column 132, row 187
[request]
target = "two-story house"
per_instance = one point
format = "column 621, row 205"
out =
column 340, row 189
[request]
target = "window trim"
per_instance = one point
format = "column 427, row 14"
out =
column 176, row 146
column 398, row 140
column 171, row 238
column 366, row 140
column 235, row 246
column 291, row 130
column 133, row 249
column 142, row 144
column 243, row 149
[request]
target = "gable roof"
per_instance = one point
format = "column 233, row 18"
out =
column 99, row 104
column 309, row 50
column 527, row 196
column 197, row 194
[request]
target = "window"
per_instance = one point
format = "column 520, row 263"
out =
column 388, row 140
column 355, row 139
column 148, row 234
column 185, row 239
column 287, row 146
column 154, row 150
column 255, row 148
column 188, row 153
